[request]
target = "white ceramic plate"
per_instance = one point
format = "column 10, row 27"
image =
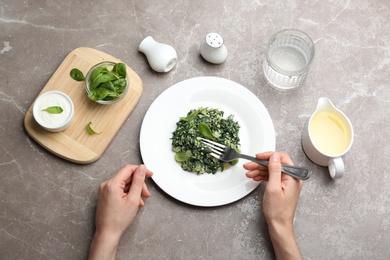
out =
column 256, row 135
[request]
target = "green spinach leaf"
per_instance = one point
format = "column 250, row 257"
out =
column 89, row 129
column 182, row 156
column 191, row 116
column 98, row 94
column 53, row 110
column 120, row 69
column 103, row 77
column 205, row 131
column 77, row 75
column 119, row 85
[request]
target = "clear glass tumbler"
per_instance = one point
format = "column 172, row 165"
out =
column 288, row 58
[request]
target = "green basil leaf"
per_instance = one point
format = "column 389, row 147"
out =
column 77, row 75
column 205, row 131
column 182, row 156
column 89, row 129
column 191, row 116
column 111, row 96
column 107, row 85
column 96, row 77
column 103, row 78
column 120, row 69
column 98, row 71
column 98, row 94
column 53, row 110
column 119, row 85
column 108, row 76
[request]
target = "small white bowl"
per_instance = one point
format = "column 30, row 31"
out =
column 53, row 122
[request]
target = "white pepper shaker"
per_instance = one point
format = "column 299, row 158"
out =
column 161, row 57
column 213, row 49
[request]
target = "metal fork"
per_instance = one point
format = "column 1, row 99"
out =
column 227, row 154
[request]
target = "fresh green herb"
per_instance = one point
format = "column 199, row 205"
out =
column 89, row 129
column 183, row 156
column 209, row 123
column 120, row 69
column 104, row 84
column 191, row 116
column 205, row 130
column 101, row 75
column 77, row 75
column 53, row 110
column 98, row 94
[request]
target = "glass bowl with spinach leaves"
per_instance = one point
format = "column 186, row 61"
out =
column 106, row 82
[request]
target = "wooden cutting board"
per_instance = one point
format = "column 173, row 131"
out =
column 74, row 143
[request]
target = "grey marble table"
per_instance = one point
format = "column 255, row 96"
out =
column 48, row 204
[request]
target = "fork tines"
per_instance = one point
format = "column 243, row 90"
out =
column 216, row 148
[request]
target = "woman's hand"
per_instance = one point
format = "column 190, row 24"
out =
column 118, row 201
column 279, row 202
column 260, row 172
column 282, row 191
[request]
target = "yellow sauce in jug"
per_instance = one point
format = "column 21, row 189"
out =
column 330, row 135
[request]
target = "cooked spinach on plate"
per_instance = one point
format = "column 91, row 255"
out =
column 208, row 123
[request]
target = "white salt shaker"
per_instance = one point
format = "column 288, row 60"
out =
column 212, row 49
column 161, row 57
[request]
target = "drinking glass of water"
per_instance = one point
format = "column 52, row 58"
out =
column 288, row 58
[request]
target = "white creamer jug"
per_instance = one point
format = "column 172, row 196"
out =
column 327, row 136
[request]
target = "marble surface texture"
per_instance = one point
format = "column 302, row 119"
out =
column 47, row 204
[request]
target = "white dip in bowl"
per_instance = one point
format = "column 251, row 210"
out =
column 53, row 122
